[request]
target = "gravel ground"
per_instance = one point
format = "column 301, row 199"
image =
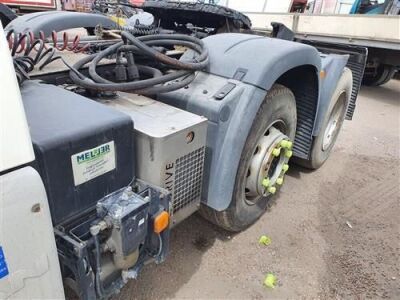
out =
column 335, row 232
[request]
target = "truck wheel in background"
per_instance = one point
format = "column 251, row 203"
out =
column 333, row 121
column 263, row 162
column 382, row 75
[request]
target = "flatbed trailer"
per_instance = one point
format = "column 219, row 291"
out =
column 380, row 34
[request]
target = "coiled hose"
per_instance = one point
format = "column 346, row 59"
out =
column 32, row 51
column 28, row 51
column 183, row 74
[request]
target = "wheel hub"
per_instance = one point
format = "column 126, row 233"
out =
column 268, row 165
column 332, row 126
column 329, row 133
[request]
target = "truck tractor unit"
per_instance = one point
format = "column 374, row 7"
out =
column 110, row 141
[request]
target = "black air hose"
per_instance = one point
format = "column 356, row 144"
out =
column 182, row 75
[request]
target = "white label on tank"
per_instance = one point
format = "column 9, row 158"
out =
column 92, row 163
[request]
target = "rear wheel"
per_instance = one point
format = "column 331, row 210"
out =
column 263, row 162
column 332, row 124
column 381, row 75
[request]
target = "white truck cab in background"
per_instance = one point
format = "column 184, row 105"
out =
column 29, row 267
column 281, row 6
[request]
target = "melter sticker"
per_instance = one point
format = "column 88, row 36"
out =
column 93, row 162
column 3, row 264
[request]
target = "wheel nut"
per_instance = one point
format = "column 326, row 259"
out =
column 272, row 190
column 286, row 144
column 279, row 181
column 283, row 143
column 265, row 182
column 289, row 153
column 285, row 167
column 276, row 152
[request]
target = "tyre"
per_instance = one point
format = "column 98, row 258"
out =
column 383, row 74
column 333, row 121
column 263, row 162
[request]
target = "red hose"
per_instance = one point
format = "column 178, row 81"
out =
column 22, row 42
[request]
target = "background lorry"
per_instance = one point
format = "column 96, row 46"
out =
column 105, row 149
column 378, row 33
column 387, row 7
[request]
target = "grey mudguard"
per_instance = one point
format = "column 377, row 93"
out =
column 257, row 62
column 58, row 21
column 332, row 65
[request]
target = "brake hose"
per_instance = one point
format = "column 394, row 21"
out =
column 183, row 70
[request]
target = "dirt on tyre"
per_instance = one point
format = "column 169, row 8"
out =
column 273, row 129
column 323, row 144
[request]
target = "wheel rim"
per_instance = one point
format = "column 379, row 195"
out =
column 268, row 164
column 332, row 128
